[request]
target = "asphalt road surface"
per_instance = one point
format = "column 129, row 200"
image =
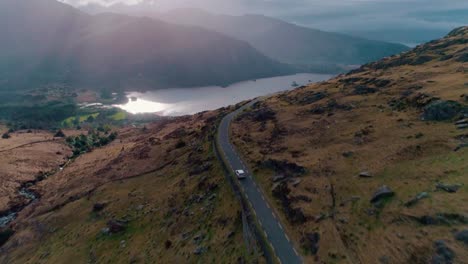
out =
column 281, row 244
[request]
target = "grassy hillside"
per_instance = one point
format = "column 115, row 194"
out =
column 375, row 159
column 399, row 122
column 154, row 193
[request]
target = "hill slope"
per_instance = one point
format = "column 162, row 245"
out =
column 158, row 192
column 287, row 42
column 400, row 122
column 44, row 41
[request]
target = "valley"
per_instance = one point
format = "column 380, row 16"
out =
column 156, row 132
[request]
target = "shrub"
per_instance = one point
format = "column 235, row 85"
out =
column 180, row 144
column 59, row 134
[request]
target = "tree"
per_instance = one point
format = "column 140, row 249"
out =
column 6, row 136
column 59, row 134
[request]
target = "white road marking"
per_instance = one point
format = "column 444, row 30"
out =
column 287, row 238
column 297, row 254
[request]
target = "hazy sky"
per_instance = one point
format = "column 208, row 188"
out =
column 333, row 15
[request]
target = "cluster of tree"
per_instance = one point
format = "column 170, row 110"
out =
column 39, row 116
column 85, row 143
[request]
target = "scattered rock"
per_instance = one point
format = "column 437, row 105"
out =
column 441, row 110
column 365, row 174
column 123, row 244
column 450, row 188
column 105, row 231
column 231, row 234
column 416, row 199
column 310, row 242
column 462, row 124
column 462, row 236
column 97, row 207
column 343, row 220
column 116, row 226
column 442, row 219
column 381, row 193
column 443, row 254
column 278, row 178
column 199, row 250
column 461, row 146
column 295, row 182
column 284, row 167
column 462, row 121
column 362, row 90
column 198, row 238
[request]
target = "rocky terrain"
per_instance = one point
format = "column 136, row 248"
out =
column 371, row 166
column 155, row 192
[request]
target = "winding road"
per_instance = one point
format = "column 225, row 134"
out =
column 279, row 241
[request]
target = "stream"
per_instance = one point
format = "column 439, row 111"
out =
column 26, row 192
column 11, row 215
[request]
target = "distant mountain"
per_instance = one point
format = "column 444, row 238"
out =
column 45, row 41
column 288, row 42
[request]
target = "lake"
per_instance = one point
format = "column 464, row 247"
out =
column 185, row 101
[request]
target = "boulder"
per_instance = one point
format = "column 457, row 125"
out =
column 97, row 207
column 278, row 178
column 443, row 254
column 462, row 236
column 381, row 193
column 462, row 121
column 416, row 199
column 295, row 182
column 441, row 110
column 450, row 188
column 365, row 174
column 116, row 226
column 199, row 250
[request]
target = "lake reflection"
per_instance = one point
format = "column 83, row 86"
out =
column 183, row 101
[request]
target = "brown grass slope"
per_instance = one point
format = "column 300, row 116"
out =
column 162, row 182
column 393, row 119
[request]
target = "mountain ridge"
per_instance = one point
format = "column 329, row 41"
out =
column 70, row 46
